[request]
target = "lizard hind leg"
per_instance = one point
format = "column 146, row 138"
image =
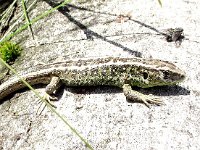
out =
column 139, row 97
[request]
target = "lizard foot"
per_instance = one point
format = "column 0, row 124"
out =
column 139, row 97
column 148, row 99
column 50, row 98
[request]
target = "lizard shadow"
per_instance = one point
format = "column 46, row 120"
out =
column 174, row 90
column 155, row 91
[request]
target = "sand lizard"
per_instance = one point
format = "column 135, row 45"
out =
column 120, row 72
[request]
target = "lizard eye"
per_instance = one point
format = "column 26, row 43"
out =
column 166, row 75
column 145, row 75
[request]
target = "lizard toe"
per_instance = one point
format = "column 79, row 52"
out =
column 50, row 98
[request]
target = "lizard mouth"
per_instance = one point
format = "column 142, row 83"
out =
column 173, row 77
column 177, row 79
column 180, row 77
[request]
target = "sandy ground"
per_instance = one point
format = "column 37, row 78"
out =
column 102, row 115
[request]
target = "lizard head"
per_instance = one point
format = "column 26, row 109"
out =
column 158, row 73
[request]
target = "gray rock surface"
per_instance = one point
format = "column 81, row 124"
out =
column 102, row 115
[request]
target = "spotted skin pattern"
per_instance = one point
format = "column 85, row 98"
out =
column 110, row 71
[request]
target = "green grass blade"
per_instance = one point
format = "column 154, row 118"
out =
column 159, row 1
column 27, row 17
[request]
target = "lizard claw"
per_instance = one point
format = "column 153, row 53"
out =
column 50, row 98
column 152, row 100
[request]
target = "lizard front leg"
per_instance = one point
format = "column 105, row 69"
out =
column 50, row 89
column 139, row 97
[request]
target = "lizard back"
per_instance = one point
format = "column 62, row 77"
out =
column 101, row 71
